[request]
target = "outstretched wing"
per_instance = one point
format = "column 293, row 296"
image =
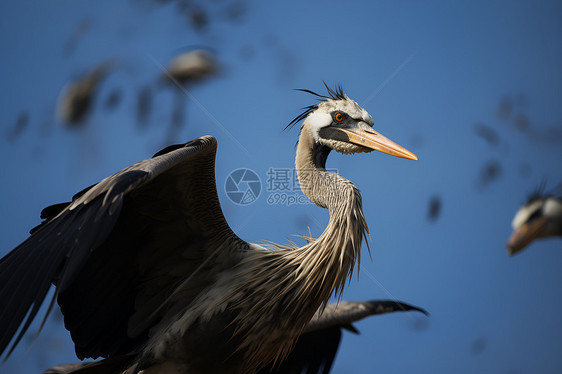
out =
column 117, row 252
column 316, row 349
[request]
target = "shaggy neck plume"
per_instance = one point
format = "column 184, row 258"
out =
column 334, row 254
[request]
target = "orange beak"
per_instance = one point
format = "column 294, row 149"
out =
column 368, row 138
column 524, row 235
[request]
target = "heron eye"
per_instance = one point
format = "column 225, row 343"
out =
column 339, row 117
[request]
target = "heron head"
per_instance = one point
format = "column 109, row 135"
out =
column 339, row 123
column 540, row 217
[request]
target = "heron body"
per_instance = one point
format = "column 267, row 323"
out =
column 316, row 348
column 149, row 274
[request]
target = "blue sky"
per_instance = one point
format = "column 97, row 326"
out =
column 428, row 73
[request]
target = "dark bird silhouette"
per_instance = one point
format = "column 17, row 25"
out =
column 434, row 209
column 505, row 108
column 491, row 171
column 487, row 133
column 149, row 274
column 113, row 99
column 83, row 27
column 19, row 127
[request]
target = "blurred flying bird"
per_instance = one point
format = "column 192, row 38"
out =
column 434, row 208
column 149, row 274
column 198, row 19
column 419, row 325
column 505, row 107
column 478, row 346
column 487, row 133
column 75, row 99
column 192, row 66
column 84, row 26
column 512, row 110
column 317, row 347
column 522, row 123
column 144, row 105
column 510, row 104
column 195, row 15
column 178, row 116
column 489, row 173
column 113, row 99
column 19, row 127
column 553, row 134
column 540, row 217
column 236, row 11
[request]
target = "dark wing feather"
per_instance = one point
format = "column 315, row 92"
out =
column 314, row 353
column 113, row 251
column 54, row 210
column 60, row 247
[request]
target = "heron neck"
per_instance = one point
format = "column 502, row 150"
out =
column 339, row 246
column 323, row 188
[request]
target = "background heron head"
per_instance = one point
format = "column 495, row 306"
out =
column 540, row 217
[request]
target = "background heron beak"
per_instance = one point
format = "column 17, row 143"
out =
column 523, row 236
column 370, row 139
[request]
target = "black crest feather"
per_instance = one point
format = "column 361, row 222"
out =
column 537, row 193
column 541, row 192
column 334, row 94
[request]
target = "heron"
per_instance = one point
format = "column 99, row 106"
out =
column 148, row 273
column 315, row 350
column 540, row 217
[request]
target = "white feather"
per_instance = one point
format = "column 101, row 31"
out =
column 524, row 213
column 552, row 208
column 318, row 120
